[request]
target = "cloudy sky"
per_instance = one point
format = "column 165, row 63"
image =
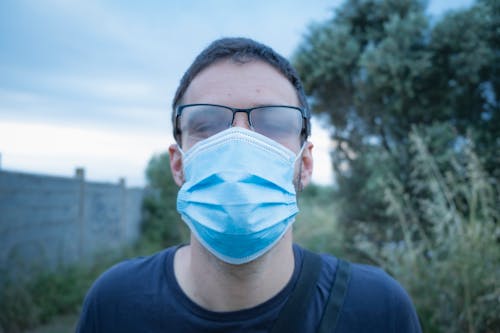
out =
column 88, row 83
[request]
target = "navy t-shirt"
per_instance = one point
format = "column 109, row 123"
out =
column 142, row 295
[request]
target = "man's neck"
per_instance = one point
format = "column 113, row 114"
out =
column 218, row 286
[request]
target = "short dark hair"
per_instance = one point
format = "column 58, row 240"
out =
column 241, row 50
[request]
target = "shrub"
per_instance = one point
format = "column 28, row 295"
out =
column 316, row 227
column 26, row 303
column 448, row 257
column 162, row 224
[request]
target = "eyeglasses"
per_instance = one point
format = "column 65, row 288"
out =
column 281, row 123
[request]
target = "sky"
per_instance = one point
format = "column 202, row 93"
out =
column 87, row 83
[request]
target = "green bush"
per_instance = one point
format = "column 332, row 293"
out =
column 17, row 308
column 26, row 304
column 449, row 256
column 29, row 302
column 162, row 224
column 316, row 225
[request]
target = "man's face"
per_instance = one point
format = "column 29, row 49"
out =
column 247, row 85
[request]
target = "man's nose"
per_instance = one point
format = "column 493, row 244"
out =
column 241, row 120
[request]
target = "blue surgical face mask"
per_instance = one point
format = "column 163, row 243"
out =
column 238, row 197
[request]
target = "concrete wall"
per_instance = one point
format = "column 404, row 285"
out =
column 49, row 221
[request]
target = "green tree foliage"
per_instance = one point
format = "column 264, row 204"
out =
column 162, row 225
column 378, row 67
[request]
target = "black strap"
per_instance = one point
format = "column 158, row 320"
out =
column 292, row 314
column 331, row 312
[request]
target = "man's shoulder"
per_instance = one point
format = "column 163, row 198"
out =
column 125, row 291
column 130, row 274
column 366, row 282
column 377, row 297
column 367, row 277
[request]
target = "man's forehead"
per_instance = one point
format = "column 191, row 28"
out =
column 229, row 80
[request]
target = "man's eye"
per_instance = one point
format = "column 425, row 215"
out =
column 203, row 128
column 198, row 126
column 274, row 129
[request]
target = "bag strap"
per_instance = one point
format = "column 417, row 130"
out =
column 293, row 312
column 332, row 309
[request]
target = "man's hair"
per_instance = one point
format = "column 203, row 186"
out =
column 241, row 50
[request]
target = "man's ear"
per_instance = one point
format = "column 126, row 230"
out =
column 176, row 164
column 307, row 165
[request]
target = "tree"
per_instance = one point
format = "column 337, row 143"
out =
column 162, row 225
column 379, row 67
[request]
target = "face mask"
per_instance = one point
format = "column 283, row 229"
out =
column 238, row 198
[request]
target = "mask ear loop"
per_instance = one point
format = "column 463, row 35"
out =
column 183, row 154
column 299, row 154
column 300, row 187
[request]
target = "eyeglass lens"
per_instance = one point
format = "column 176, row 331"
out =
column 279, row 123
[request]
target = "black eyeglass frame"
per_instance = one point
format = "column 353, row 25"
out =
column 178, row 112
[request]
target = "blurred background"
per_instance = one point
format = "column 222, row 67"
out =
column 406, row 130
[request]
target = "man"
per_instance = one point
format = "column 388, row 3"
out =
column 241, row 124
